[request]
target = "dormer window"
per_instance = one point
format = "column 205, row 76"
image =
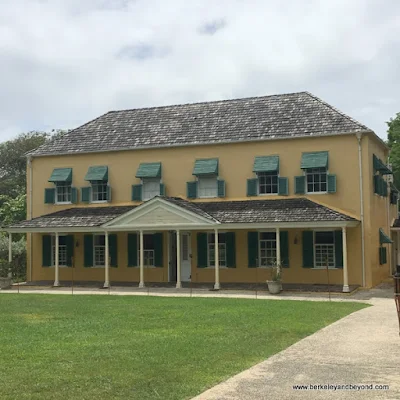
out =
column 151, row 186
column 207, row 184
column 63, row 192
column 99, row 190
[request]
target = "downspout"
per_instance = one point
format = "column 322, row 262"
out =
column 388, row 224
column 30, row 213
column 359, row 137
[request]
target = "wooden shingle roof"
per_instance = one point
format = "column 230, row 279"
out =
column 249, row 119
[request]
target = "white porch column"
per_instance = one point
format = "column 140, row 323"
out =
column 278, row 247
column 107, row 262
column 346, row 288
column 217, row 285
column 10, row 252
column 56, row 266
column 178, row 260
column 141, row 257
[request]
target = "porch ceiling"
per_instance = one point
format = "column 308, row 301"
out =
column 168, row 213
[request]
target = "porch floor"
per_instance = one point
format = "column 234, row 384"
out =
column 290, row 287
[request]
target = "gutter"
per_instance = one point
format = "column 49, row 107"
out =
column 30, row 213
column 359, row 137
column 270, row 138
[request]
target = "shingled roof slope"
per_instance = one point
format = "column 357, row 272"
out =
column 75, row 217
column 255, row 118
column 265, row 211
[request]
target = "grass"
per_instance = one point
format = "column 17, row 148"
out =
column 132, row 347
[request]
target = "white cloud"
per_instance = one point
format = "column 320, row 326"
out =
column 61, row 63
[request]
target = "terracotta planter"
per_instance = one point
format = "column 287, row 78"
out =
column 5, row 283
column 274, row 287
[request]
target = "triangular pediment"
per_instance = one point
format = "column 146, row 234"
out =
column 159, row 213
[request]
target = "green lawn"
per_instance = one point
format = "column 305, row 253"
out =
column 133, row 347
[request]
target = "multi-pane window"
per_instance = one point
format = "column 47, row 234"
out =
column 99, row 250
column 63, row 192
column 62, row 250
column 267, row 249
column 151, row 188
column 148, row 250
column 324, row 249
column 221, row 249
column 267, row 182
column 99, row 191
column 208, row 186
column 316, row 180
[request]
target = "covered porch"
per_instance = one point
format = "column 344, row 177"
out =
column 176, row 242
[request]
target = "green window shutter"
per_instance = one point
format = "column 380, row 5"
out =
column 299, row 184
column 266, row 164
column 46, row 250
column 191, row 190
column 230, row 249
column 317, row 159
column 158, row 249
column 376, row 184
column 339, row 249
column 136, row 192
column 162, row 189
column 74, row 195
column 113, row 249
column 88, row 250
column 109, row 193
column 284, row 239
column 308, row 249
column 61, row 175
column 252, row 187
column 49, row 196
column 98, row 173
column 202, row 247
column 221, row 188
column 149, row 170
column 252, row 249
column 69, row 239
column 384, row 188
column 86, row 194
column 132, row 250
column 382, row 255
column 331, row 183
column 283, row 186
column 206, row 167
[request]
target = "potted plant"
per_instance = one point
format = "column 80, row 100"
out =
column 275, row 284
column 5, row 274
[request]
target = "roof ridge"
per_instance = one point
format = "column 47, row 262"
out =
column 208, row 102
column 338, row 111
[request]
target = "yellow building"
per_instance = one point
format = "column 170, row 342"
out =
column 213, row 193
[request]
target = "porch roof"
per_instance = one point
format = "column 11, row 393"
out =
column 218, row 213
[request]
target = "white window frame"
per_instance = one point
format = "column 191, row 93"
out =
column 147, row 253
column 330, row 245
column 96, row 184
column 149, row 181
column 209, row 178
column 67, row 185
column 258, row 174
column 62, row 249
column 221, row 250
column 259, row 248
column 95, row 265
column 306, row 174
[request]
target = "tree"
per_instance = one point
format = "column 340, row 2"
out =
column 13, row 162
column 394, row 144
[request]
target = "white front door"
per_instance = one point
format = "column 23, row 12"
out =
column 186, row 260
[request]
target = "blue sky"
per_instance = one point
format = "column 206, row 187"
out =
column 64, row 62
